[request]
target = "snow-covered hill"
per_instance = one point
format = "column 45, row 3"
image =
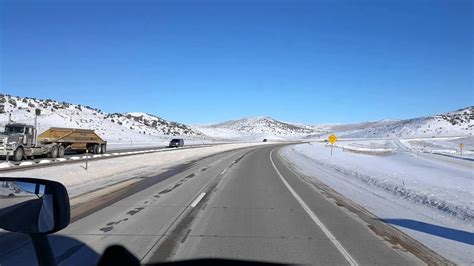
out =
column 457, row 123
column 150, row 124
column 116, row 128
column 253, row 128
column 146, row 128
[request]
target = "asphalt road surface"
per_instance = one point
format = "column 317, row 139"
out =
column 243, row 204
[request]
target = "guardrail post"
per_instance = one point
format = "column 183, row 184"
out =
column 87, row 159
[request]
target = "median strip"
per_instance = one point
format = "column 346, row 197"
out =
column 8, row 166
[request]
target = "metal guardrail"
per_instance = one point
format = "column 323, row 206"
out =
column 25, row 165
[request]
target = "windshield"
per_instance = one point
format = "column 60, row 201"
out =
column 14, row 130
column 327, row 132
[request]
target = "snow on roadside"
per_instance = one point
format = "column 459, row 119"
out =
column 106, row 172
column 367, row 146
column 449, row 145
column 401, row 186
column 5, row 165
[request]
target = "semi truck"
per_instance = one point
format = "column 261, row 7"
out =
column 20, row 141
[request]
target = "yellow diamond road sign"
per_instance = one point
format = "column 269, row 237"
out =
column 332, row 139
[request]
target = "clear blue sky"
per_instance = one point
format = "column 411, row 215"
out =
column 208, row 61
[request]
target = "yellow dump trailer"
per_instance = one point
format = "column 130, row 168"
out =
column 21, row 140
column 74, row 139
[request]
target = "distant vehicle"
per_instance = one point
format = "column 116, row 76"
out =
column 176, row 143
column 21, row 141
column 265, row 140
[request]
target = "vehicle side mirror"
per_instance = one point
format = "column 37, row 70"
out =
column 33, row 206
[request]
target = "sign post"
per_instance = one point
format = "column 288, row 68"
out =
column 461, row 145
column 332, row 139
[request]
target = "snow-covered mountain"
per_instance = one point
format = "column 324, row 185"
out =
column 256, row 128
column 120, row 128
column 457, row 123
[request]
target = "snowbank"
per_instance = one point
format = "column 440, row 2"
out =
column 5, row 165
column 375, row 147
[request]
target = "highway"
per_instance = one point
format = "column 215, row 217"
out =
column 241, row 204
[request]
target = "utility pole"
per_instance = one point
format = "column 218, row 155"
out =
column 37, row 113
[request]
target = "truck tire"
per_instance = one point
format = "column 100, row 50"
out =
column 96, row 149
column 53, row 153
column 18, row 154
column 61, row 151
column 103, row 148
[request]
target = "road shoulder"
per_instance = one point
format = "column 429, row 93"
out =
column 396, row 239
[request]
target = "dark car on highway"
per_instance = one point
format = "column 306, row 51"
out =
column 176, row 143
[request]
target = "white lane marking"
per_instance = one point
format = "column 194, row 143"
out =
column 315, row 218
column 197, row 200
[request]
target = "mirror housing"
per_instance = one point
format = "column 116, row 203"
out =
column 33, row 206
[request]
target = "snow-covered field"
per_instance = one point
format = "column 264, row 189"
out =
column 431, row 200
column 385, row 146
column 447, row 145
column 375, row 147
